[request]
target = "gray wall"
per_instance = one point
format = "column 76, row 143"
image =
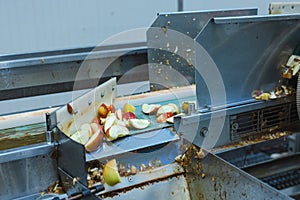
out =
column 38, row 25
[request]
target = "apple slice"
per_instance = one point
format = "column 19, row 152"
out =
column 87, row 126
column 139, row 123
column 95, row 141
column 163, row 117
column 111, row 108
column 81, row 136
column 103, row 111
column 127, row 107
column 150, row 109
column 111, row 175
column 176, row 108
column 165, row 109
column 116, row 131
column 95, row 127
column 119, row 114
column 110, row 120
column 128, row 115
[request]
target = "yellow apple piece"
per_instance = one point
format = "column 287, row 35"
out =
column 95, row 141
column 127, row 107
column 88, row 127
column 139, row 123
column 111, row 175
column 103, row 111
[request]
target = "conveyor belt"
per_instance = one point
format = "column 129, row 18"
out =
column 284, row 180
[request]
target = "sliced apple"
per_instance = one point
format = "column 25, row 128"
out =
column 95, row 127
column 103, row 111
column 128, row 115
column 121, row 123
column 139, row 123
column 115, row 132
column 87, row 126
column 95, row 141
column 176, row 108
column 96, row 120
column 163, row 117
column 81, row 136
column 119, row 114
column 111, row 175
column 150, row 109
column 111, row 108
column 110, row 120
column 170, row 120
column 165, row 109
column 127, row 107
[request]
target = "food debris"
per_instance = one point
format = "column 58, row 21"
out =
column 289, row 70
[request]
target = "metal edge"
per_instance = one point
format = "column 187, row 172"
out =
column 26, row 152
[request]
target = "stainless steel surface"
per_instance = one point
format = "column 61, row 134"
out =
column 226, row 126
column 244, row 49
column 71, row 159
column 171, row 48
column 133, row 143
column 223, row 181
column 26, row 152
column 213, row 178
column 294, row 143
column 54, row 72
column 30, row 175
column 173, row 188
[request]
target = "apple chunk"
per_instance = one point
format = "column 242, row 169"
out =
column 139, row 123
column 163, row 117
column 128, row 115
column 103, row 111
column 167, row 108
column 81, row 136
column 115, row 132
column 110, row 120
column 111, row 174
column 150, row 109
column 95, row 141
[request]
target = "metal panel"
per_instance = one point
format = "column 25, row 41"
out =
column 171, row 50
column 240, row 50
column 27, row 176
column 72, row 69
column 223, row 181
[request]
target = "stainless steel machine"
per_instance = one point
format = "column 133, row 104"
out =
column 228, row 145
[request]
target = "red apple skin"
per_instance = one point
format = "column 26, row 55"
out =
column 96, row 120
column 163, row 117
column 128, row 115
column 111, row 108
column 103, row 111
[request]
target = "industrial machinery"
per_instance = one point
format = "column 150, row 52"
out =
column 234, row 139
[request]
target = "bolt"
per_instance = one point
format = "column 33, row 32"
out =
column 130, row 178
column 102, row 94
column 234, row 126
column 204, row 131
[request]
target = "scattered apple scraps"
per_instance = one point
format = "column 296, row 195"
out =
column 289, row 70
